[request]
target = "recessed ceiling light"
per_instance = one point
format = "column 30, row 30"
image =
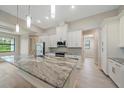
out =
column 72, row 6
column 47, row 17
column 38, row 21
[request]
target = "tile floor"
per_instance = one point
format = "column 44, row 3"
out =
column 9, row 77
column 90, row 76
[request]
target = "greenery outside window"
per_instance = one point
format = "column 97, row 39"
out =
column 7, row 44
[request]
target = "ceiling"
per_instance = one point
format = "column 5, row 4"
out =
column 64, row 13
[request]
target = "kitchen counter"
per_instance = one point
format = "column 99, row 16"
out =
column 119, row 60
column 116, row 71
column 51, row 70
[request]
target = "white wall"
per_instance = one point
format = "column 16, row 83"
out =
column 92, row 21
column 24, row 44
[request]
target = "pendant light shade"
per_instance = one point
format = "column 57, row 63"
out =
column 17, row 28
column 28, row 18
column 28, row 21
column 17, row 24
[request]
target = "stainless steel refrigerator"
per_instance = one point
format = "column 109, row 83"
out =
column 40, row 49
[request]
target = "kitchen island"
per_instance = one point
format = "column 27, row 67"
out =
column 43, row 71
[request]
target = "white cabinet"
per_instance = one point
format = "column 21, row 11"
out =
column 111, row 70
column 116, row 72
column 74, row 39
column 109, row 42
column 52, row 41
column 61, row 32
column 121, row 31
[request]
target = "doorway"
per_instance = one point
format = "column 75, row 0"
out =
column 91, row 45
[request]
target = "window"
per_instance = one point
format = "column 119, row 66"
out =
column 7, row 44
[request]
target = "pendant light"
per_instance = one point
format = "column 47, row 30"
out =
column 17, row 24
column 53, row 10
column 29, row 18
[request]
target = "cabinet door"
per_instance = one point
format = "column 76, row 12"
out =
column 61, row 33
column 115, row 72
column 58, row 33
column 52, row 41
column 69, row 39
column 64, row 32
column 122, row 31
column 118, row 74
column 74, row 39
column 111, row 69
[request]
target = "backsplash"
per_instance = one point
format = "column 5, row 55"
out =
column 70, row 51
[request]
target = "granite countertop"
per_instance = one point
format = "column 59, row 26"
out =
column 52, row 70
column 119, row 60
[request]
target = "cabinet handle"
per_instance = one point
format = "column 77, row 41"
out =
column 117, row 65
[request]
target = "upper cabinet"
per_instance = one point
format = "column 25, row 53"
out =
column 116, row 26
column 61, row 32
column 122, row 31
column 74, row 39
column 52, row 41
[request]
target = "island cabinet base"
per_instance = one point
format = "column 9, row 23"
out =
column 69, row 83
column 33, row 80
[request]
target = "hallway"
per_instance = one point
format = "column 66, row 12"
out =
column 90, row 76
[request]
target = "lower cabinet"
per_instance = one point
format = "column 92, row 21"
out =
column 111, row 70
column 116, row 73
